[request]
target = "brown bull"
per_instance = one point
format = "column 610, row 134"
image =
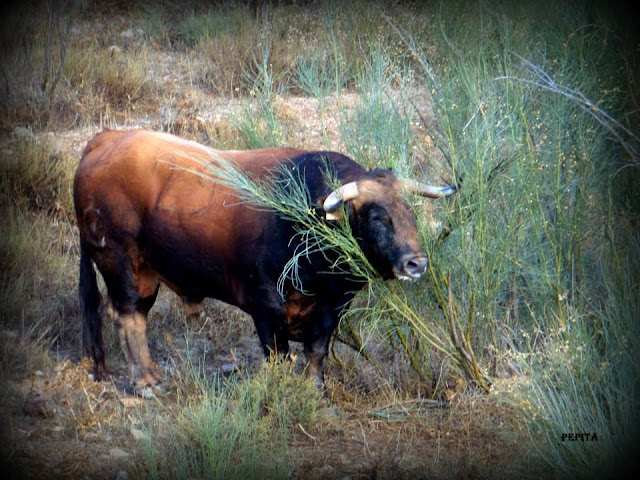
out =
column 145, row 217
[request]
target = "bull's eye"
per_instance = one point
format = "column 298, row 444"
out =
column 379, row 219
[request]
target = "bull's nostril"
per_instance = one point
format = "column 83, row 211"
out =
column 415, row 265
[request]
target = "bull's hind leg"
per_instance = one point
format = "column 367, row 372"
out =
column 89, row 295
column 132, row 328
column 133, row 339
column 133, row 288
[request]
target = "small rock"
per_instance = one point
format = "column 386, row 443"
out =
column 229, row 368
column 122, row 475
column 323, row 471
column 22, row 132
column 92, row 437
column 146, row 393
column 328, row 412
column 118, row 453
column 138, row 434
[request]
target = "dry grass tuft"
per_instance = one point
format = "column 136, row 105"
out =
column 37, row 255
column 33, row 176
column 73, row 398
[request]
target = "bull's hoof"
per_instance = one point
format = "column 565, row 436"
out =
column 149, row 379
column 149, row 392
column 149, row 386
column 145, row 392
column 99, row 372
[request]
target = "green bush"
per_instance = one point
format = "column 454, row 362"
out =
column 525, row 103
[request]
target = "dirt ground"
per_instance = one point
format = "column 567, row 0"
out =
column 58, row 423
column 62, row 424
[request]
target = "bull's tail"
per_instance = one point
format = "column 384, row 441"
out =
column 89, row 294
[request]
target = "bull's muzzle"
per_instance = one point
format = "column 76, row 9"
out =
column 413, row 266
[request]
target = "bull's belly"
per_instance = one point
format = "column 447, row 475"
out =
column 197, row 278
column 298, row 310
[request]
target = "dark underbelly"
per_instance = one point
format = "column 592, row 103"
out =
column 196, row 277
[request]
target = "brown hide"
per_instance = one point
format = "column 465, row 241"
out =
column 145, row 216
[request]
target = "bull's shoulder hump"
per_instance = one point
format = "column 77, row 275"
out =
column 276, row 154
column 343, row 166
column 259, row 161
column 171, row 141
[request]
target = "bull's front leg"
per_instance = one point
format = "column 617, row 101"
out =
column 316, row 353
column 316, row 344
column 272, row 333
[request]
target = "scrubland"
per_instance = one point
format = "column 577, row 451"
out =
column 524, row 331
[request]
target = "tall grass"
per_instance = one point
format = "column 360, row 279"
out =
column 32, row 176
column 196, row 26
column 55, row 73
column 530, row 255
column 378, row 131
column 34, row 309
column 35, row 260
column 260, row 125
column 237, row 428
column 84, row 80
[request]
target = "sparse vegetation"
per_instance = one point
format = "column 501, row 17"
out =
column 532, row 292
column 234, row 428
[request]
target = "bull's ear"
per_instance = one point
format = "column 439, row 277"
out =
column 346, row 192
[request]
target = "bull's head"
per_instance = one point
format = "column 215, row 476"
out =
column 383, row 223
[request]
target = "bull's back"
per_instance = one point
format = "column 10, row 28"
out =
column 149, row 164
column 139, row 187
column 137, row 162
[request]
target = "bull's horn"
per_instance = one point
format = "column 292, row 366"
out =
column 413, row 186
column 346, row 192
